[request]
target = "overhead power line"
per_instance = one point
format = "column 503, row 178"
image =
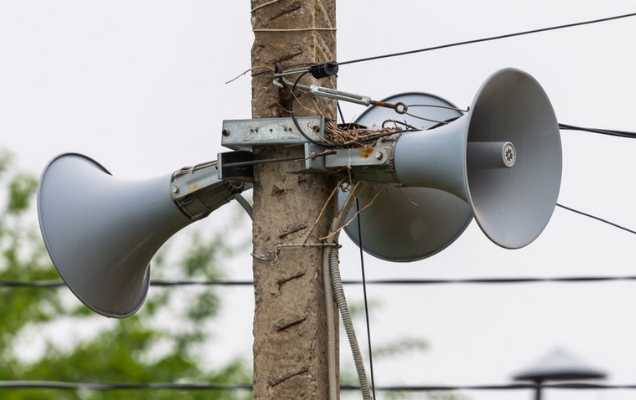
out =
column 119, row 386
column 609, row 132
column 512, row 386
column 596, row 218
column 488, row 39
column 405, row 281
column 167, row 283
column 232, row 387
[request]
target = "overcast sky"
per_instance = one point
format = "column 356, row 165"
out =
column 140, row 87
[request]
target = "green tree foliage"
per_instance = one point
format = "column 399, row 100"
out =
column 164, row 342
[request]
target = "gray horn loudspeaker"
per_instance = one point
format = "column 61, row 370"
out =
column 101, row 232
column 408, row 223
column 502, row 158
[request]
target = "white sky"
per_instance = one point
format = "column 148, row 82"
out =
column 140, row 87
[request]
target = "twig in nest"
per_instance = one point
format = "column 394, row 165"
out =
column 352, row 218
column 360, row 137
column 303, row 106
column 251, row 69
column 324, row 207
column 313, row 101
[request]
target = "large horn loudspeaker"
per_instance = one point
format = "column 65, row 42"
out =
column 499, row 162
column 101, row 232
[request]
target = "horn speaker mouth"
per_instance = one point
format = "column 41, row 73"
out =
column 101, row 232
column 513, row 205
column 500, row 162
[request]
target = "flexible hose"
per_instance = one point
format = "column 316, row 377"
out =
column 331, row 325
column 336, row 281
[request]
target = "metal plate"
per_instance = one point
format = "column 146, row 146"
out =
column 245, row 134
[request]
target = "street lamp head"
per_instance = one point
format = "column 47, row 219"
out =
column 559, row 366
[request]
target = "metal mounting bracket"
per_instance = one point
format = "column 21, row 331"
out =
column 246, row 134
column 243, row 136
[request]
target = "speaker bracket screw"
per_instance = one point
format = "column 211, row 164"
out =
column 509, row 154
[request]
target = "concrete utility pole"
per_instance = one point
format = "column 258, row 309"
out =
column 290, row 340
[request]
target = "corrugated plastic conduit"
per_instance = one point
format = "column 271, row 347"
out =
column 331, row 267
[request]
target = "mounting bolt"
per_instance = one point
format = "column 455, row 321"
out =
column 225, row 132
column 175, row 189
column 509, row 153
column 378, row 155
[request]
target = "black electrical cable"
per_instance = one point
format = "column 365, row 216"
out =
column 404, row 281
column 32, row 284
column 56, row 284
column 119, row 386
column 366, row 303
column 59, row 385
column 342, row 118
column 511, row 386
column 396, row 122
column 596, row 218
column 487, row 39
column 490, row 281
column 609, row 132
column 293, row 116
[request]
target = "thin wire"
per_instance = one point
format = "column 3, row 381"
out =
column 366, row 303
column 21, row 384
column 610, row 132
column 293, row 115
column 597, row 218
column 463, row 111
column 119, row 386
column 396, row 122
column 405, row 281
column 340, row 112
column 512, row 386
column 489, row 281
column 509, row 35
column 437, row 122
column 56, row 283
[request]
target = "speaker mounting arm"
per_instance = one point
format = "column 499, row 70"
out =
column 243, row 136
column 197, row 190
